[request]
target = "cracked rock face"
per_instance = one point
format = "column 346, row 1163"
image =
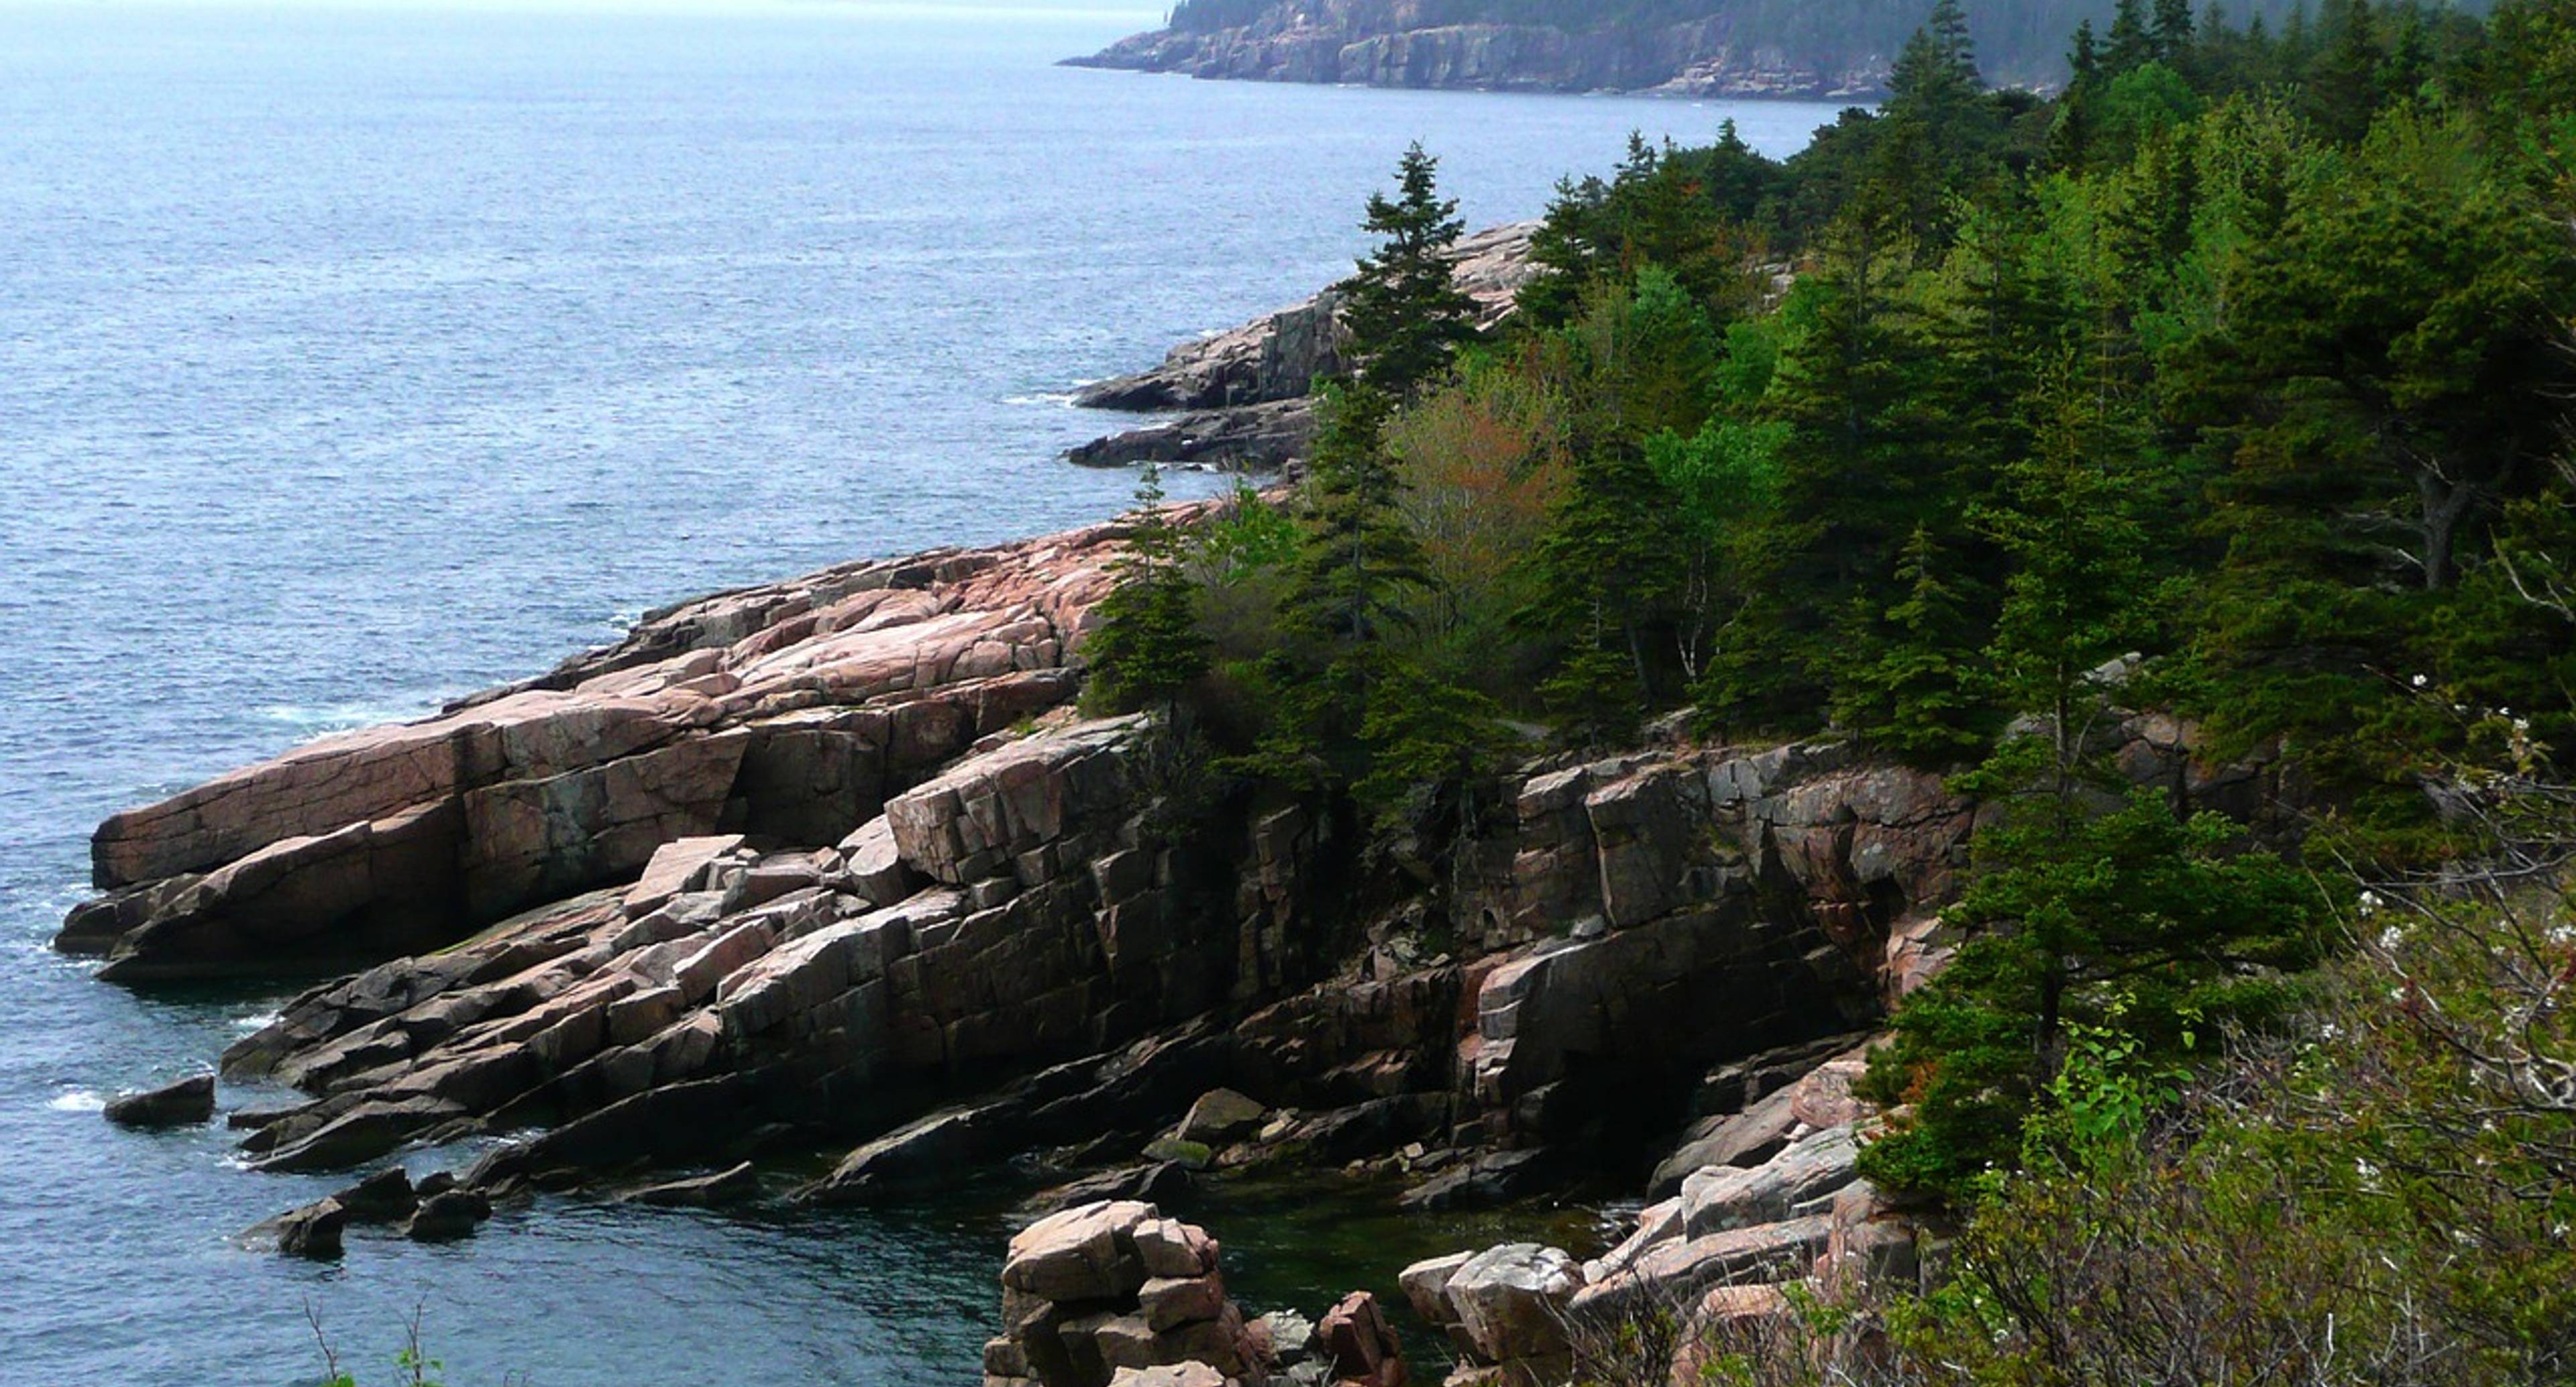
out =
column 728, row 986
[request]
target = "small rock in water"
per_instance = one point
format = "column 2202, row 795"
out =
column 447, row 1215
column 384, row 1197
column 312, row 1231
column 187, row 1103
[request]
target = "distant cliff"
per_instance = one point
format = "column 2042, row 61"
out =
column 1811, row 49
column 1382, row 43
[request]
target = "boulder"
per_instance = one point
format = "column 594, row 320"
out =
column 1426, row 1287
column 1082, row 1254
column 677, row 866
column 448, row 1215
column 384, row 1197
column 729, row 1186
column 1171, row 1248
column 312, row 1231
column 1169, row 1375
column 1511, row 1301
column 1168, row 1302
column 1359, row 1344
column 1750, row 1137
column 1686, row 1267
column 1726, row 1197
column 1730, row 1322
column 1220, row 1116
column 1116, row 1286
column 1289, row 1336
column 189, row 1102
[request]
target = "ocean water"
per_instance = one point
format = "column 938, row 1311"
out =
column 352, row 358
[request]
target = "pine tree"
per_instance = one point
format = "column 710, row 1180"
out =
column 1606, row 575
column 2070, row 138
column 1404, row 312
column 1431, row 744
column 1936, row 135
column 1847, row 395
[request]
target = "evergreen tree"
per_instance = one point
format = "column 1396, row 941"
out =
column 1404, row 312
column 1606, row 576
column 2342, row 81
column 1935, row 134
column 1846, row 392
column 2070, row 136
column 2388, row 381
column 1357, row 564
column 2171, row 37
column 1432, row 745
column 1146, row 649
column 2130, row 921
column 2133, row 43
column 1910, row 685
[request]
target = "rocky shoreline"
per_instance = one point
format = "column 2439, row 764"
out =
column 1387, row 43
column 836, row 867
column 1237, row 400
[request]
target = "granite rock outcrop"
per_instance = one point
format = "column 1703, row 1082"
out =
column 788, row 712
column 1238, row 400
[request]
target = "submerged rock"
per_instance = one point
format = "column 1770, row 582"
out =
column 733, row 1185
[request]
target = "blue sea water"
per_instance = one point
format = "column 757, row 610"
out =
column 351, row 358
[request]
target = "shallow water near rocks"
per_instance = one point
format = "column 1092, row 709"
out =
column 351, row 359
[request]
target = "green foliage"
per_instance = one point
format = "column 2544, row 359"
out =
column 1146, row 647
column 1404, row 313
column 2127, row 920
column 1911, row 685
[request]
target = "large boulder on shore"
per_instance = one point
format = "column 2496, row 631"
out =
column 1510, row 1301
column 1097, row 1293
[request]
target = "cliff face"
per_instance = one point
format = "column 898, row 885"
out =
column 1388, row 43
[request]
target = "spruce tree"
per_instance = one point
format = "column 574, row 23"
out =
column 1146, row 649
column 1606, row 575
column 1909, row 683
column 2133, row 43
column 2171, row 36
column 1357, row 564
column 1403, row 311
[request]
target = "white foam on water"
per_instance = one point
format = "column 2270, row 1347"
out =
column 309, row 721
column 258, row 1022
column 77, row 1100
